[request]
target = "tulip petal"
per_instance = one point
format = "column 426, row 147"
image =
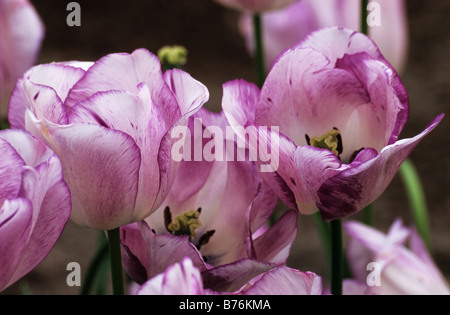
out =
column 361, row 183
column 190, row 93
column 275, row 244
column 15, row 224
column 98, row 163
column 285, row 281
column 126, row 72
column 10, row 171
column 30, row 149
column 51, row 202
column 314, row 166
column 135, row 255
column 231, row 277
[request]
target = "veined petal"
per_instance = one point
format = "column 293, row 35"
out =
column 31, row 150
column 139, row 118
column 285, row 281
column 190, row 93
column 11, row 165
column 181, row 278
column 50, row 197
column 135, row 254
column 126, row 72
column 361, row 183
column 314, row 166
column 101, row 167
column 15, row 225
column 303, row 94
column 232, row 277
column 275, row 244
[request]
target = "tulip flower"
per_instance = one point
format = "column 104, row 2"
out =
column 34, row 204
column 109, row 124
column 255, row 6
column 340, row 108
column 284, row 28
column 400, row 270
column 21, row 35
column 215, row 213
column 185, row 279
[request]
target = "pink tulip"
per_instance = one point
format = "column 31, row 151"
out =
column 109, row 123
column 400, row 270
column 340, row 108
column 34, row 204
column 21, row 34
column 256, row 6
column 222, row 208
column 284, row 28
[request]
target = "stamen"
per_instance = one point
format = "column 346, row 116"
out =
column 353, row 156
column 185, row 224
column 332, row 141
column 204, row 239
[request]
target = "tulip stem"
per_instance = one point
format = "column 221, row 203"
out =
column 323, row 228
column 364, row 15
column 417, row 202
column 259, row 50
column 115, row 257
column 337, row 270
column 93, row 272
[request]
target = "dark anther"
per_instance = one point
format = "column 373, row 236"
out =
column 353, row 156
column 308, row 139
column 167, row 218
column 340, row 147
column 199, row 210
column 204, row 239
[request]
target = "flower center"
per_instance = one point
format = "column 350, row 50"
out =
column 332, row 141
column 187, row 223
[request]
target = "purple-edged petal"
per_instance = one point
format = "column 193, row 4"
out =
column 137, row 117
column 101, row 167
column 275, row 244
column 126, row 72
column 31, row 150
column 303, row 94
column 51, row 201
column 360, row 184
column 190, row 93
column 181, row 278
column 15, row 225
column 231, row 277
column 135, row 255
column 314, row 167
column 239, row 102
column 285, row 281
column 10, row 171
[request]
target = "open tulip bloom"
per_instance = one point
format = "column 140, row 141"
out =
column 110, row 128
column 340, row 108
column 216, row 214
column 34, row 204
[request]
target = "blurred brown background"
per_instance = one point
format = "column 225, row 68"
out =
column 216, row 55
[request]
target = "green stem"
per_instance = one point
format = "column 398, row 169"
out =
column 259, row 50
column 364, row 15
column 336, row 257
column 323, row 228
column 417, row 201
column 368, row 215
column 116, row 261
column 95, row 266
